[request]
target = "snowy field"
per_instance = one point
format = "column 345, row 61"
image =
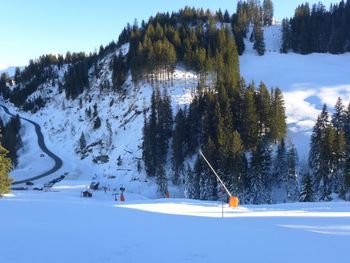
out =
column 62, row 227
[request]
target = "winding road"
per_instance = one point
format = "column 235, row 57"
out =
column 41, row 142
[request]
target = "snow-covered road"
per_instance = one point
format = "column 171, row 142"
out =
column 41, row 143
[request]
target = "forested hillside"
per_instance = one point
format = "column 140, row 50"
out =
column 131, row 88
column 316, row 29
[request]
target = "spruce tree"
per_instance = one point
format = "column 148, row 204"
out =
column 11, row 139
column 278, row 116
column 178, row 145
column 192, row 180
column 261, row 173
column 279, row 174
column 285, row 36
column 307, row 192
column 207, row 180
column 259, row 42
column 292, row 183
column 267, row 12
column 161, row 180
column 338, row 118
column 320, row 155
column 250, row 120
column 5, row 167
column 82, row 142
column 347, row 138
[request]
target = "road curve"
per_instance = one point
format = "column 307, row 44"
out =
column 41, row 142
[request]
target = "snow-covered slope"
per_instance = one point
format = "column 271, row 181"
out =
column 308, row 81
column 62, row 227
column 120, row 135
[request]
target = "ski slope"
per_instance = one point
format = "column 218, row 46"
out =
column 307, row 82
column 62, row 227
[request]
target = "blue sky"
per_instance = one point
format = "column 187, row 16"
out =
column 32, row 28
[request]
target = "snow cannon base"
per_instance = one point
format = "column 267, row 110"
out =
column 234, row 201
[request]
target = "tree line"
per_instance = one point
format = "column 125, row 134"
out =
column 5, row 167
column 316, row 29
column 11, row 138
column 189, row 36
column 237, row 132
column 329, row 158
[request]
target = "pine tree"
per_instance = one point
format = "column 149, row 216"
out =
column 207, row 180
column 250, row 120
column 192, row 181
column 260, row 173
column 150, row 136
column 161, row 180
column 11, row 139
column 306, row 193
column 259, row 42
column 267, row 12
column 5, row 167
column 178, row 145
column 285, row 36
column 338, row 161
column 278, row 116
column 319, row 156
column 4, row 78
column 263, row 99
column 292, row 183
column 338, row 117
column 279, row 179
column 82, row 142
column 347, row 138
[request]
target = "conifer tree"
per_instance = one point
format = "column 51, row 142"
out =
column 338, row 118
column 161, row 180
column 250, row 121
column 192, row 181
column 178, row 145
column 259, row 42
column 11, row 138
column 278, row 116
column 280, row 167
column 267, row 12
column 82, row 142
column 347, row 138
column 285, row 36
column 306, row 193
column 292, row 183
column 320, row 154
column 207, row 181
column 260, row 173
column 263, row 99
column 5, row 167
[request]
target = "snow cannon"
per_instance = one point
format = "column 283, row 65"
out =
column 233, row 202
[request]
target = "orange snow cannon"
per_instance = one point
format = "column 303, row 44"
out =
column 234, row 201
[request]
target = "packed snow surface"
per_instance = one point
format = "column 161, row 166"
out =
column 60, row 226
